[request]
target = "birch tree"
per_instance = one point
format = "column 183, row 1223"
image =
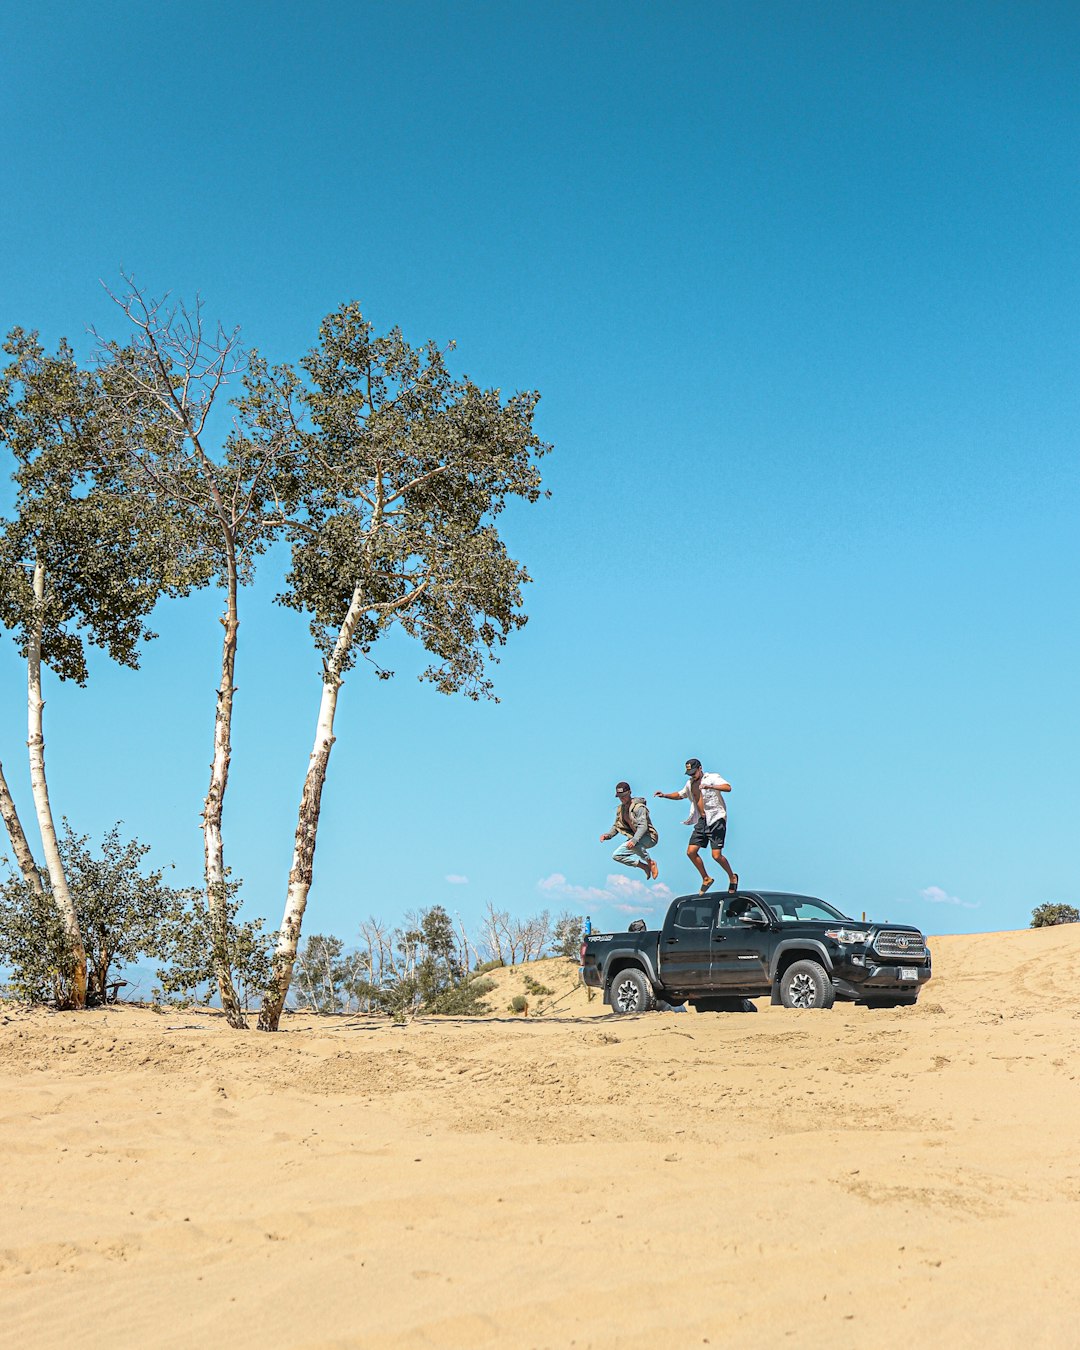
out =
column 493, row 924
column 20, row 845
column 226, row 489
column 404, row 472
column 80, row 559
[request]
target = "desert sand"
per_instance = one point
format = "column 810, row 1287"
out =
column 568, row 1179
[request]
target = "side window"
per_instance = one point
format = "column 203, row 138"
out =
column 741, row 908
column 694, row 914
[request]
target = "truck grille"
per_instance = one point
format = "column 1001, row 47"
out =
column 903, row 946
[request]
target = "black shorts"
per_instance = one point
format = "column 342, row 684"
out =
column 710, row 836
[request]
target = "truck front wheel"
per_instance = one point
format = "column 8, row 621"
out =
column 630, row 993
column 805, row 984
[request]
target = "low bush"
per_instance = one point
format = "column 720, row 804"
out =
column 1049, row 915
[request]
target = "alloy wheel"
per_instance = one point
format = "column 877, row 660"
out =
column 802, row 991
column 627, row 996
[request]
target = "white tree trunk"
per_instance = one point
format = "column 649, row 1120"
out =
column 303, row 859
column 39, row 786
column 214, row 849
column 20, row 846
column 307, row 825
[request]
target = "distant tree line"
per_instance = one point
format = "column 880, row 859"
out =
column 426, row 964
column 127, row 913
column 382, row 473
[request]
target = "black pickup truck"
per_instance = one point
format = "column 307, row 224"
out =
column 714, row 951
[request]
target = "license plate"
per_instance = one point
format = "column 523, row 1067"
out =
column 908, row 973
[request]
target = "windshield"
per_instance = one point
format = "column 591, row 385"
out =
column 792, row 908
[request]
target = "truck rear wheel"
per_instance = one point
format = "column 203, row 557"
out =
column 806, row 984
column 630, row 993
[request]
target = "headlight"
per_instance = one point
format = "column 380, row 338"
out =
column 848, row 935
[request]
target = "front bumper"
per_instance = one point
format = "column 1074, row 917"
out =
column 873, row 981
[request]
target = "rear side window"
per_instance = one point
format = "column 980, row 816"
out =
column 694, row 914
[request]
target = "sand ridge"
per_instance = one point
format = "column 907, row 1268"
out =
column 563, row 1179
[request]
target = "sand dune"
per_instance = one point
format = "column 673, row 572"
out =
column 565, row 1179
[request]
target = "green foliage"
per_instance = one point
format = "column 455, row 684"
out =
column 33, row 943
column 462, row 1000
column 535, row 988
column 327, row 979
column 188, row 948
column 319, row 974
column 568, row 932
column 107, row 553
column 427, row 974
column 402, row 471
column 160, row 388
column 519, row 1004
column 1048, row 915
column 123, row 914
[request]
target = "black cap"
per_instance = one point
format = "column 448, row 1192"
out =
column 621, row 787
column 692, row 766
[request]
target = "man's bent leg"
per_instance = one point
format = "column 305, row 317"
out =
column 633, row 857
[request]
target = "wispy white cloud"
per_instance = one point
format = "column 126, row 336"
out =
column 934, row 895
column 456, row 880
column 557, row 885
column 626, row 894
column 626, row 889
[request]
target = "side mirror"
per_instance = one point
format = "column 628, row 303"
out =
column 757, row 920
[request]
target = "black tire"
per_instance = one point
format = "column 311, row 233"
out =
column 631, row 992
column 806, row 984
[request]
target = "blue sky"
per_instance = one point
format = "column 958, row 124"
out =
column 799, row 284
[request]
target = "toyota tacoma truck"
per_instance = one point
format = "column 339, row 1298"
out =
column 715, row 951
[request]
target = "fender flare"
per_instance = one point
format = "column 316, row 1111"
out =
column 636, row 954
column 809, row 945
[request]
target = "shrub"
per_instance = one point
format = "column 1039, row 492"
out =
column 1048, row 915
column 463, row 1000
column 123, row 914
column 535, row 987
column 33, row 943
column 519, row 1004
column 186, row 943
column 567, row 935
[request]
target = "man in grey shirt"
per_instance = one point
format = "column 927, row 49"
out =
column 632, row 820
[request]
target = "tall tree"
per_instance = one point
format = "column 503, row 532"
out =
column 20, row 845
column 225, row 490
column 404, row 471
column 80, row 558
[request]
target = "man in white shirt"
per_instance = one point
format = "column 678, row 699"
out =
column 708, row 816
